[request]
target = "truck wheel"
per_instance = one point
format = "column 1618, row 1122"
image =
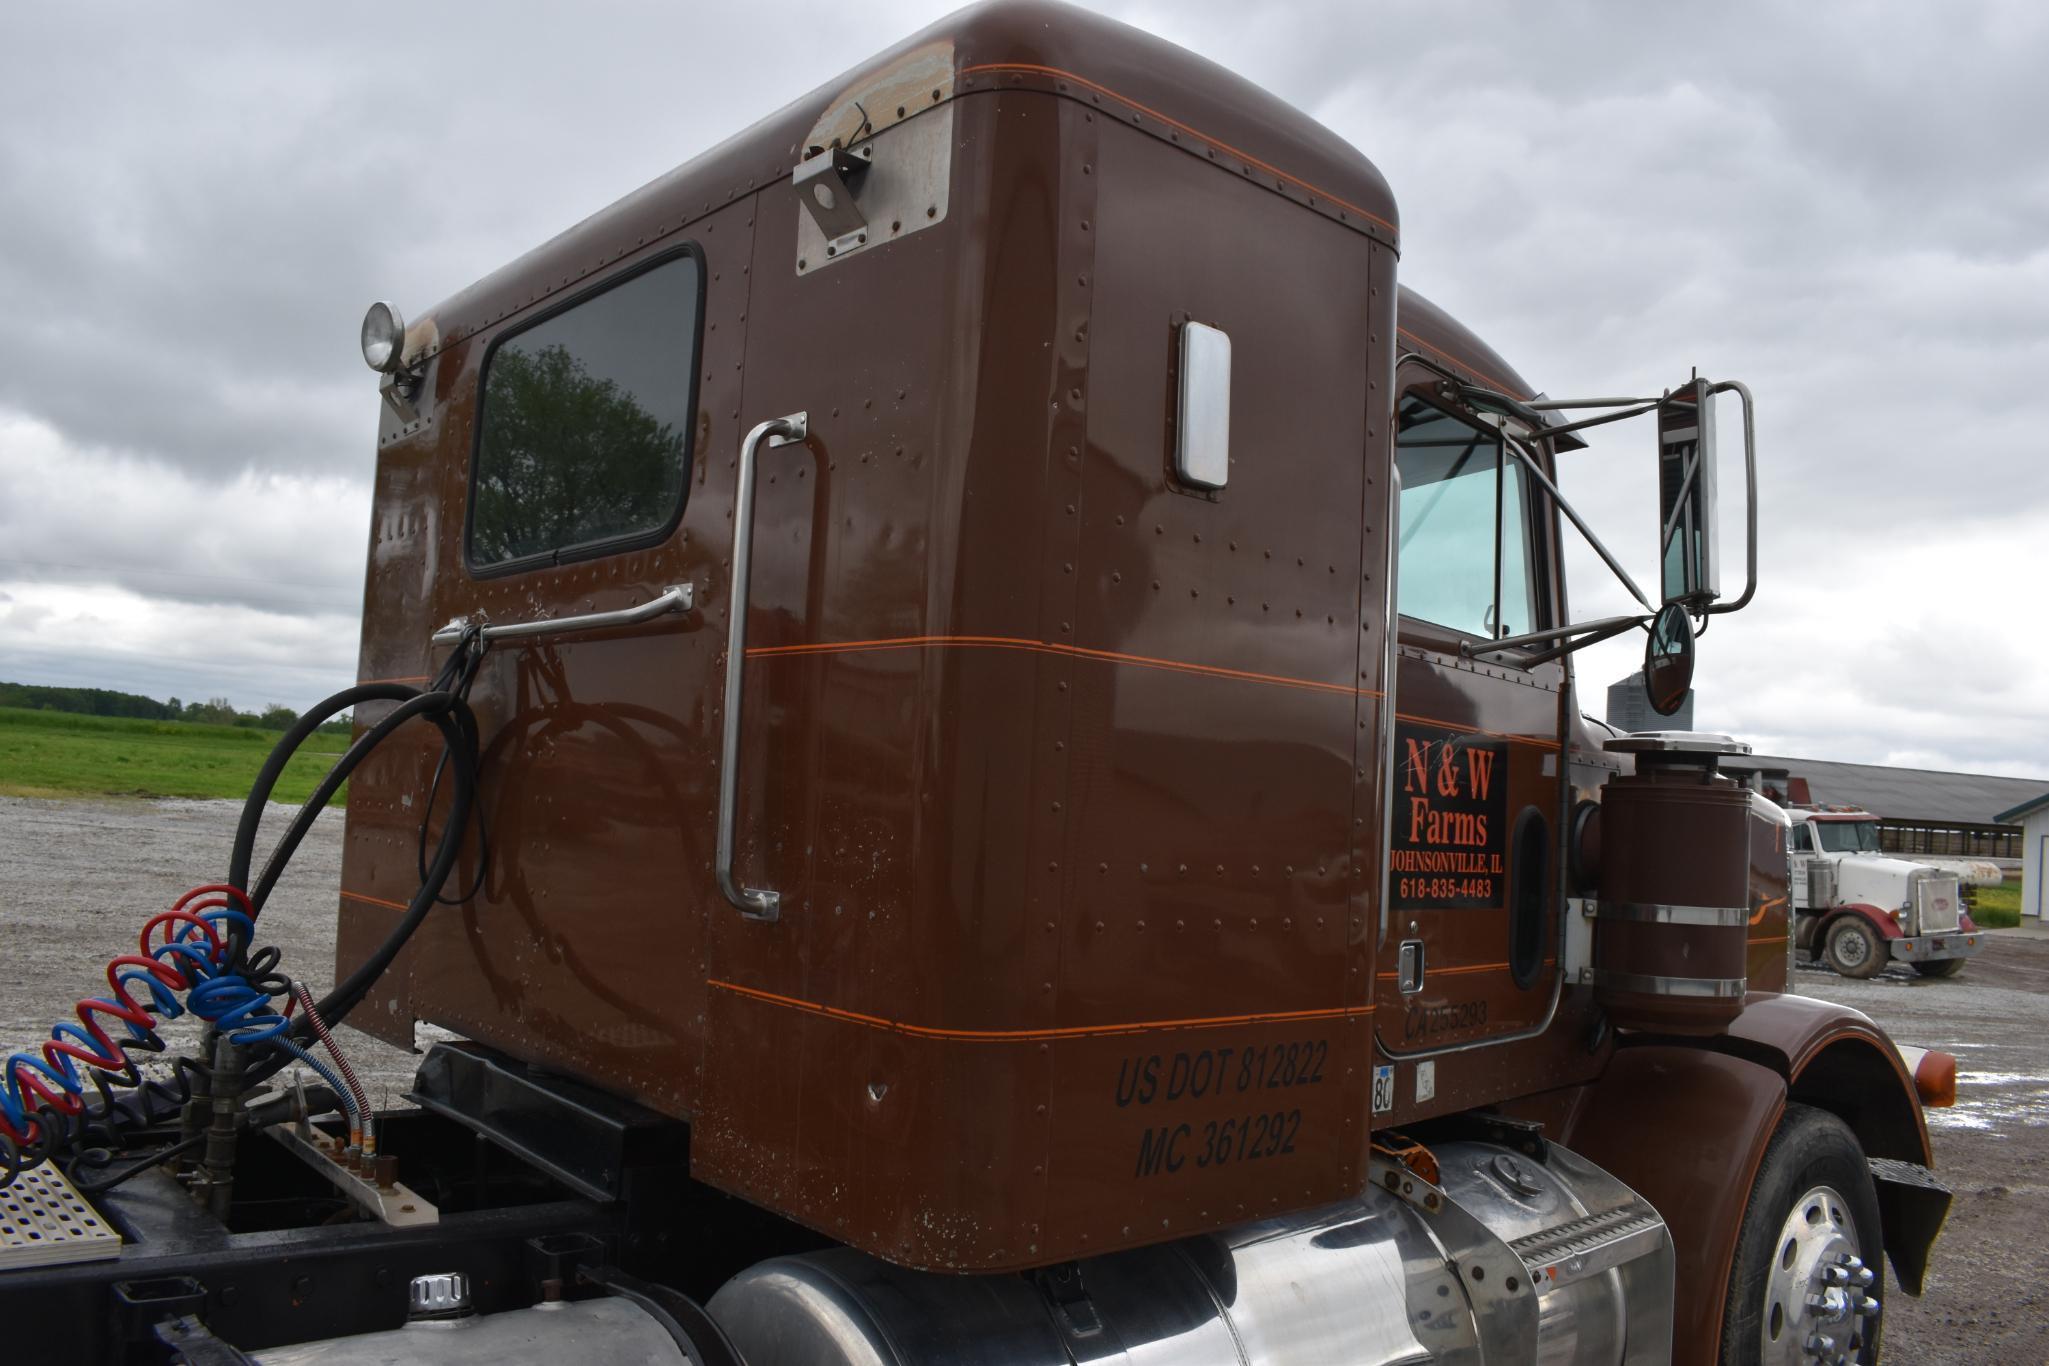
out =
column 1854, row 948
column 1808, row 1253
column 1940, row 967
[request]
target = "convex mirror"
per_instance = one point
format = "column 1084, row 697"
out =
column 1668, row 660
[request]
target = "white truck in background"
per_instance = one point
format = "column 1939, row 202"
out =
column 1859, row 909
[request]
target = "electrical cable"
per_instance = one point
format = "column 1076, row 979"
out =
column 445, row 704
column 362, row 1128
column 362, row 1097
column 326, row 1074
column 94, row 1185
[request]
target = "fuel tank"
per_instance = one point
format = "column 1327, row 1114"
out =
column 1509, row 1256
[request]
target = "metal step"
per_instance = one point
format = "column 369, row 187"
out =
column 44, row 1221
column 1586, row 1247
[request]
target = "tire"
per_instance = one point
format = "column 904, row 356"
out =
column 1812, row 1208
column 1940, row 967
column 1854, row 948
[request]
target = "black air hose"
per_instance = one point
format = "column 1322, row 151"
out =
column 45, row 1112
column 445, row 703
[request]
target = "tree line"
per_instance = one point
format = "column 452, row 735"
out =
column 216, row 711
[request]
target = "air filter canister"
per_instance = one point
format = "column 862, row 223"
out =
column 1671, row 930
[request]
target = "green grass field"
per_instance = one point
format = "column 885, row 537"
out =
column 64, row 754
column 1997, row 908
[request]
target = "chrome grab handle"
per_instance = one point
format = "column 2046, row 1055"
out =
column 675, row 598
column 756, row 903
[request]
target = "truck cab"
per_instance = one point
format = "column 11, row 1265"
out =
column 1111, row 775
column 1859, row 909
column 1020, row 684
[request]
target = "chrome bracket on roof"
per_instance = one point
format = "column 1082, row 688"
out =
column 877, row 165
column 827, row 182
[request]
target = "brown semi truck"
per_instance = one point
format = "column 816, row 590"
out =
column 1013, row 790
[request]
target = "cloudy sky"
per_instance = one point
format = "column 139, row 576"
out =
column 1846, row 205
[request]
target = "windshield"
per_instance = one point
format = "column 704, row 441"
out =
column 1466, row 558
column 1847, row 837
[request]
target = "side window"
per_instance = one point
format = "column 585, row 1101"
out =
column 1800, row 843
column 583, row 442
column 1463, row 499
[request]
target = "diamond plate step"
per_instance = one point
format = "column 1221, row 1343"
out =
column 1586, row 1247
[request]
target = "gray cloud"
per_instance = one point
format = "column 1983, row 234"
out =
column 1846, row 206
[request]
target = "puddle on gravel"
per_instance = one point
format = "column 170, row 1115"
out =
column 1994, row 1102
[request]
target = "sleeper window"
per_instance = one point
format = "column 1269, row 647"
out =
column 584, row 440
column 1457, row 491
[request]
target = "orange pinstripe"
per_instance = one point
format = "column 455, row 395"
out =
column 1116, row 657
column 1047, row 648
column 1034, row 1035
column 1503, row 385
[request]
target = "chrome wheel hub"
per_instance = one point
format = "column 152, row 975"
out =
column 1853, row 949
column 1818, row 1305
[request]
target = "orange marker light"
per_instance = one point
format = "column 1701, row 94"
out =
column 1935, row 1077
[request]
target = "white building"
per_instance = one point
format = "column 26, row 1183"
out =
column 2033, row 819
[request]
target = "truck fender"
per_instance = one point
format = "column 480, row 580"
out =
column 1837, row 1059
column 1885, row 925
column 1685, row 1127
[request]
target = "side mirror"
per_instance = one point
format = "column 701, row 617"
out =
column 1668, row 660
column 1686, row 495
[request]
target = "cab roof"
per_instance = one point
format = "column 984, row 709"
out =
column 1428, row 330
column 1145, row 82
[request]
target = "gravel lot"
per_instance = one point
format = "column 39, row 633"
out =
column 80, row 878
column 1986, row 1301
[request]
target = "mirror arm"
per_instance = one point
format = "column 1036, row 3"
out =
column 1606, row 632
column 1742, row 392
column 1468, row 392
column 1553, row 405
column 1533, row 411
column 1593, row 631
column 1573, row 516
column 1566, row 428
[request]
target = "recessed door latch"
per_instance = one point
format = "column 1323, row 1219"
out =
column 827, row 182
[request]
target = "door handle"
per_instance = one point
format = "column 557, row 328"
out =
column 676, row 598
column 1409, row 967
column 755, row 903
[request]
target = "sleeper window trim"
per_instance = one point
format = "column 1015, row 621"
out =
column 611, row 545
